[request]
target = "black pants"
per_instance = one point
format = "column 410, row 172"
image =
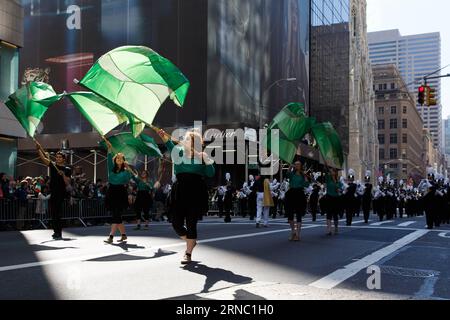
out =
column 366, row 210
column 190, row 229
column 143, row 203
column 296, row 204
column 332, row 205
column 430, row 217
column 55, row 210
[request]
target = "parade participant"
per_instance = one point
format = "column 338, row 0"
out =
column 263, row 200
column 391, row 201
column 379, row 199
column 401, row 198
column 59, row 180
column 228, row 198
column 190, row 192
column 314, row 197
column 119, row 175
column 334, row 190
column 251, row 197
column 429, row 200
column 275, row 189
column 144, row 198
column 367, row 197
column 350, row 197
column 296, row 199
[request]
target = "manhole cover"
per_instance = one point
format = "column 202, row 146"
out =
column 404, row 272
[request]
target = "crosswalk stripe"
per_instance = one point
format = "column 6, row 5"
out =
column 406, row 224
column 381, row 223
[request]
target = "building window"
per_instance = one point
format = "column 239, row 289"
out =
column 393, row 166
column 380, row 124
column 381, row 154
column 385, row 86
column 405, row 109
column 393, row 153
column 392, row 86
column 394, row 110
column 393, row 124
column 381, row 138
column 381, row 110
column 380, row 87
column 405, row 123
column 405, row 138
column 404, row 154
column 393, row 138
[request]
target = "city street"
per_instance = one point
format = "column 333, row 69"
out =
column 232, row 261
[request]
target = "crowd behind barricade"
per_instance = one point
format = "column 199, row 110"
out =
column 261, row 198
column 34, row 193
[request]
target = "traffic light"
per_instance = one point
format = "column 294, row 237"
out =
column 421, row 97
column 431, row 97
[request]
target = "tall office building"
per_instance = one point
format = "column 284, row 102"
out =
column 447, row 136
column 415, row 56
column 341, row 79
column 11, row 39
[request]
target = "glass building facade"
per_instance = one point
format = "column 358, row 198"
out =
column 245, row 59
column 330, row 64
column 258, row 58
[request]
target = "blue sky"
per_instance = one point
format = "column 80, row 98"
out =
column 414, row 17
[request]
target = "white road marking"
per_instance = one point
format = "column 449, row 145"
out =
column 406, row 224
column 97, row 256
column 334, row 279
column 445, row 235
column 381, row 223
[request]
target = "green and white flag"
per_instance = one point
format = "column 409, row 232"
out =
column 97, row 111
column 29, row 104
column 329, row 143
column 137, row 80
column 132, row 147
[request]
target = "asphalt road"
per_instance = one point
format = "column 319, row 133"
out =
column 399, row 259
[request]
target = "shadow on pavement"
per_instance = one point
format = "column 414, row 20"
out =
column 127, row 257
column 214, row 275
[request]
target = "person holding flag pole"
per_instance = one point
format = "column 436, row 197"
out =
column 60, row 176
column 190, row 192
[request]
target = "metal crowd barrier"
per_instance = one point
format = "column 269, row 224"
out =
column 74, row 209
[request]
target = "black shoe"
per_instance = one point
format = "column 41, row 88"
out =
column 57, row 236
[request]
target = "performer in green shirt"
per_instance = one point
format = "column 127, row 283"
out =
column 119, row 175
column 189, row 193
column 144, row 198
column 296, row 199
column 334, row 191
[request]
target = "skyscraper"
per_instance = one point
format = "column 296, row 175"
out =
column 415, row 56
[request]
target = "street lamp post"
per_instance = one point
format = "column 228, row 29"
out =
column 261, row 105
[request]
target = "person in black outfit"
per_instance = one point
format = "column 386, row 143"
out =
column 350, row 198
column 59, row 180
column 367, row 197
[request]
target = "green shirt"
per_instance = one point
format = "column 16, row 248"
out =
column 142, row 185
column 332, row 187
column 189, row 165
column 297, row 181
column 120, row 178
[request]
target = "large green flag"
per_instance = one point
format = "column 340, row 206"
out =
column 328, row 142
column 279, row 144
column 131, row 147
column 293, row 125
column 138, row 80
column 97, row 111
column 293, row 122
column 30, row 103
